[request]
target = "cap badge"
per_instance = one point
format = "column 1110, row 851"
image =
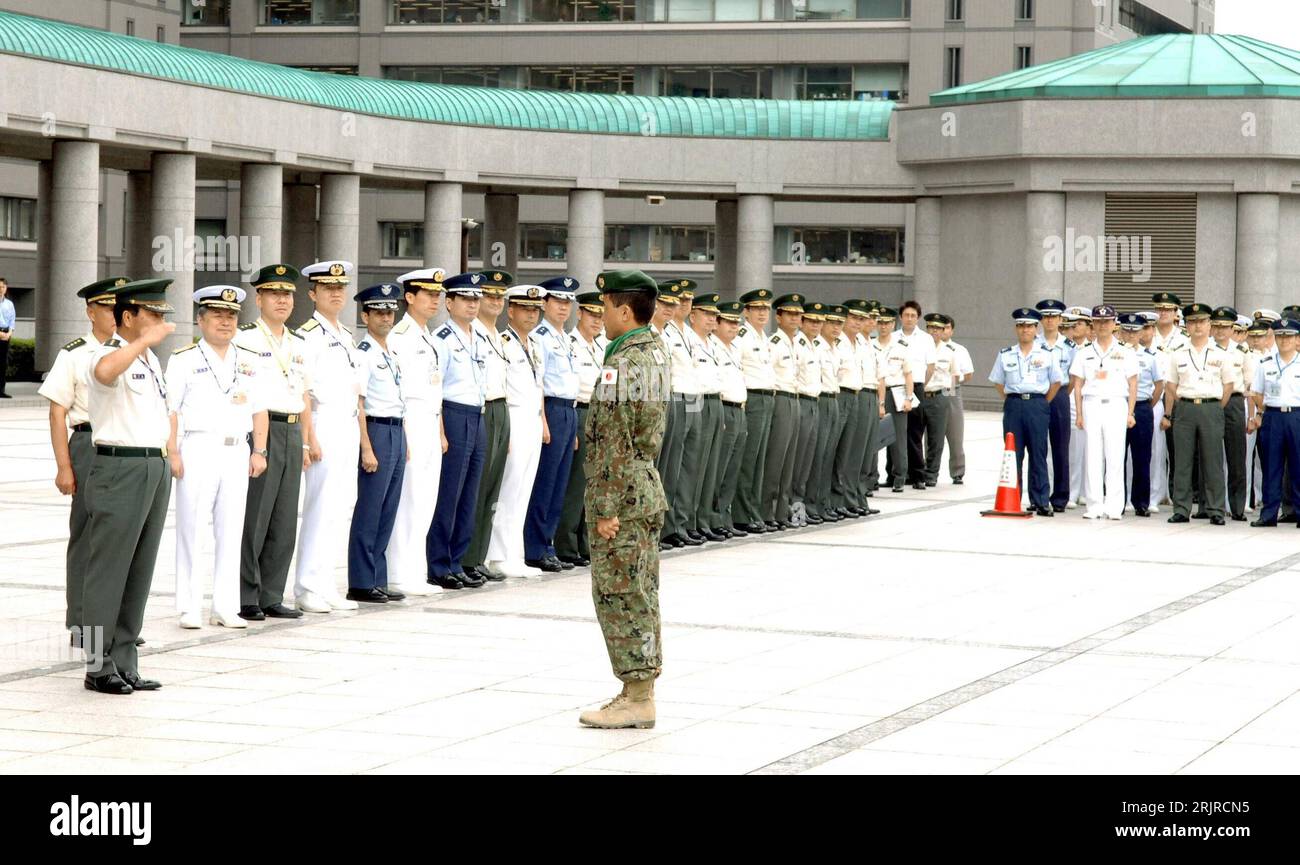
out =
column 600, row 282
column 280, row 270
column 336, row 270
column 119, row 283
column 532, row 291
column 496, row 277
column 229, row 295
column 387, row 290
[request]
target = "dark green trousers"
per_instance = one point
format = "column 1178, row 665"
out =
column 749, row 504
column 271, row 519
column 828, row 429
column 128, row 506
column 82, row 450
column 496, row 418
column 846, row 462
column 779, row 470
column 571, row 536
column 701, row 469
column 669, row 463
column 869, row 418
column 731, row 455
column 1198, row 433
column 805, row 449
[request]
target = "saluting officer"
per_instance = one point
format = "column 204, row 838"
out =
column 496, row 420
column 419, row 356
column 895, row 386
column 788, row 355
column 129, row 485
column 65, row 387
column 525, row 397
column 271, row 508
column 337, row 379
column 760, row 394
column 1276, row 393
column 731, row 447
column 1104, row 378
column 571, row 543
column 1150, row 390
column 383, row 450
column 700, row 464
column 1028, row 377
column 809, row 380
column 214, row 393
column 464, row 392
column 938, row 390
column 830, row 424
column 1238, row 412
column 1200, row 384
column 1058, row 432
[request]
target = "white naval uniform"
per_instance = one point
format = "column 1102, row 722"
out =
column 1079, row 451
column 524, row 400
column 1105, row 376
column 1159, row 449
column 417, row 352
column 338, row 378
column 1254, row 468
column 214, row 400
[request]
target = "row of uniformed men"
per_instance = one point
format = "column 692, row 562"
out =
column 767, row 432
column 1182, row 407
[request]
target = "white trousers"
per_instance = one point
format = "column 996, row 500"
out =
column 1159, row 458
column 213, row 486
column 329, row 495
column 407, row 562
column 1105, row 425
column 507, row 542
column 1078, row 457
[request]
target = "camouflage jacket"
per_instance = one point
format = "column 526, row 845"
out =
column 625, row 427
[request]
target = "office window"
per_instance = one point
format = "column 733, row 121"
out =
column 206, row 13
column 840, row 245
column 875, row 81
column 582, row 79
column 544, row 242
column 1024, row 56
column 298, row 12
column 681, row 243
column 579, row 10
column 952, row 67
column 211, row 251
column 402, row 239
column 829, row 10
column 734, row 82
column 130, row 27
column 162, row 34
column 876, row 246
column 478, row 76
column 955, row 10
column 824, row 82
column 618, row 243
column 1145, row 21
column 335, row 70
column 1024, row 10
column 17, row 219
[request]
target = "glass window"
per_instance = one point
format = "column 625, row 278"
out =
column 955, row 11
column 321, row 12
column 17, row 219
column 336, row 70
column 736, row 82
column 876, row 246
column 738, row 10
column 884, row 9
column 823, row 245
column 544, row 242
column 206, row 13
column 690, row 10
column 584, row 79
column 618, row 243
column 415, row 12
column 212, row 249
column 402, row 239
column 1024, row 56
column 478, row 76
column 824, row 10
column 1025, row 10
column 130, row 27
column 824, row 82
column 952, row 68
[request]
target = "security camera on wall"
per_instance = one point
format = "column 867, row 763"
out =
column 655, row 199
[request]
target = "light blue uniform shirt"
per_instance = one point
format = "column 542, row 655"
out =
column 1017, row 373
column 559, row 365
column 1062, row 353
column 383, row 381
column 1278, row 381
column 1148, row 372
column 8, row 315
column 464, row 369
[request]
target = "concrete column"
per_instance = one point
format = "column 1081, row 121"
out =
column 585, row 256
column 724, row 252
column 340, row 229
column 1257, row 242
column 1044, row 219
column 44, row 226
column 501, row 231
column 442, row 214
column 925, row 251
column 73, row 246
column 261, row 209
column 139, row 224
column 172, row 240
column 299, row 244
column 754, row 218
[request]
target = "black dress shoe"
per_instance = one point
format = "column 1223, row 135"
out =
column 689, row 541
column 677, row 541
column 957, row 481
column 786, row 524
column 919, row 485
column 832, row 516
column 1264, row 524
column 815, row 520
column 368, row 596
column 139, row 641
column 897, row 488
column 932, row 483
column 1218, row 521
column 695, row 535
column 469, row 581
column 447, row 581
column 741, row 530
column 582, row 562
column 772, row 525
column 1200, row 515
column 1141, row 512
column 1060, row 509
column 716, row 537
column 280, row 611
column 393, row 594
column 1044, row 511
column 1239, row 518
column 110, row 684
column 251, row 613
column 545, row 565
column 871, row 511
column 664, row 547
column 139, row 684
column 1179, row 518
column 564, row 566
column 572, row 560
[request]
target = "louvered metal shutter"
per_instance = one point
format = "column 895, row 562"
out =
column 1170, row 221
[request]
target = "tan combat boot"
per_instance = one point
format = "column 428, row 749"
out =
column 633, row 707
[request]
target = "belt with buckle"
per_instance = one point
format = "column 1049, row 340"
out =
column 282, row 417
column 935, row 392
column 1284, row 409
column 387, row 421
column 1198, row 400
column 1025, row 396
column 762, row 391
column 711, row 395
column 494, row 401
column 847, row 389
column 807, row 397
column 733, row 404
column 786, row 393
column 82, row 427
column 116, row 451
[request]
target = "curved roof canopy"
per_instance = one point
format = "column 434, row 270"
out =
column 1169, row 65
column 445, row 103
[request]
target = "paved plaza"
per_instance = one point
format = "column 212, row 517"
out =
column 922, row 640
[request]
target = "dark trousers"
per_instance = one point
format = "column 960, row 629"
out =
column 271, row 519
column 829, row 427
column 669, row 462
column 780, row 458
column 1028, row 420
column 805, row 449
column 4, row 364
column 547, row 500
column 1234, row 446
column 917, row 425
column 1279, row 454
column 378, row 494
column 496, row 418
column 462, row 467
column 935, row 409
column 1058, row 439
column 735, row 439
column 896, row 461
column 1198, row 434
column 82, row 450
column 870, row 432
column 748, row 503
column 1139, row 448
column 847, row 454
column 571, row 536
column 700, row 467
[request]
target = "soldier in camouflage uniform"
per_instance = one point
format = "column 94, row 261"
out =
column 625, row 499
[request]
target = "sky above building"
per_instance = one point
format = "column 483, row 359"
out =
column 1271, row 20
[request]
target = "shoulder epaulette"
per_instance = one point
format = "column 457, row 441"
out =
column 775, row 340
column 541, row 329
column 364, row 345
column 742, row 331
column 299, row 335
column 505, row 336
column 803, row 340
column 1241, row 347
column 245, row 348
column 248, row 325
column 311, row 324
column 1149, row 351
column 114, row 343
column 444, row 332
column 1007, row 349
column 1069, row 342
column 76, row 343
column 186, row 348
column 403, row 327
column 901, row 341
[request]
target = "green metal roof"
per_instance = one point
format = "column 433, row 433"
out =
column 446, row 103
column 1185, row 64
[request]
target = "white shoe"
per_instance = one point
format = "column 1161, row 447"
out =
column 191, row 621
column 310, row 602
column 1114, row 517
column 519, row 569
column 1154, row 509
column 226, row 621
column 414, row 590
column 1091, row 516
column 1069, row 506
column 491, row 568
column 337, row 602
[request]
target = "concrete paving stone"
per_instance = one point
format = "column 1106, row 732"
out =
column 873, row 761
column 81, row 764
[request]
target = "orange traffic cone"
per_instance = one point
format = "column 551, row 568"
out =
column 1008, row 500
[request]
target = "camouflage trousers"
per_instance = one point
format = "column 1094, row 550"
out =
column 625, row 588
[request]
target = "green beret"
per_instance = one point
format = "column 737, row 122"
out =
column 619, row 281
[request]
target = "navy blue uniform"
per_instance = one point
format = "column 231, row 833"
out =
column 1139, row 435
column 1058, row 429
column 378, row 492
column 560, row 384
column 1025, row 413
column 463, row 386
column 1279, row 434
